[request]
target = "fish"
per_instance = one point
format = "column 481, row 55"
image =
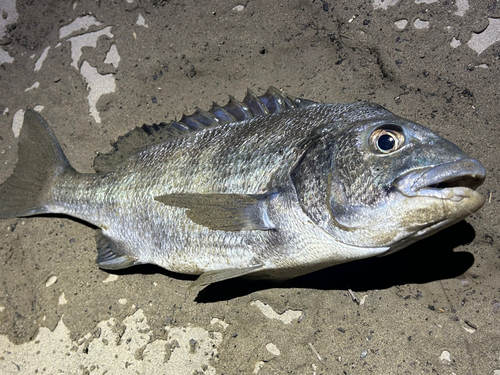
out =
column 270, row 187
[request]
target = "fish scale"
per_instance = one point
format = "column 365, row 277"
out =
column 272, row 186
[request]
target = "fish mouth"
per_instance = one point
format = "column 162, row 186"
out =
column 451, row 181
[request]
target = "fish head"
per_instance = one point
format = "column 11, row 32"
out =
column 384, row 181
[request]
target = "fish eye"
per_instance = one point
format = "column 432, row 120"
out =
column 387, row 139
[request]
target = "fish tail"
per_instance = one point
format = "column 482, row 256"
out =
column 40, row 161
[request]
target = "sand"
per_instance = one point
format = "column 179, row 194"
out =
column 97, row 69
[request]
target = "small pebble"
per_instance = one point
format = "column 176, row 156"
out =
column 51, row 280
column 192, row 346
column 62, row 299
column 419, row 24
column 273, row 349
column 401, row 24
column 445, row 357
column 110, row 278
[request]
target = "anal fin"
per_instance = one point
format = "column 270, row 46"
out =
column 112, row 255
column 215, row 276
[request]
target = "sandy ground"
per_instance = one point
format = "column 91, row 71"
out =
column 101, row 68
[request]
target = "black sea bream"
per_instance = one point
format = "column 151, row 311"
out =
column 271, row 187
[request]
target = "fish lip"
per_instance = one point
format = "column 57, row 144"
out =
column 454, row 180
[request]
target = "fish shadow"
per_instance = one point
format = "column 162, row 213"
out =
column 428, row 260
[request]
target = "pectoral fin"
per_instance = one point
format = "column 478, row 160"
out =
column 229, row 212
column 211, row 277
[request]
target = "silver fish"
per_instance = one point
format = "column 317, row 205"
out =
column 272, row 187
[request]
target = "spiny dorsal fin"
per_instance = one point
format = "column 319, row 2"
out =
column 273, row 101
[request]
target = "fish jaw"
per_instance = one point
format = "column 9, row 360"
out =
column 437, row 197
column 454, row 181
column 451, row 185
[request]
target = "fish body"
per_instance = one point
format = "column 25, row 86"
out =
column 272, row 187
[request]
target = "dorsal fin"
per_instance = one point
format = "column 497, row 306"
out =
column 273, row 101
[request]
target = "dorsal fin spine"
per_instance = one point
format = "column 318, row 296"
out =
column 192, row 123
column 255, row 104
column 179, row 126
column 239, row 110
column 205, row 118
column 223, row 115
column 272, row 101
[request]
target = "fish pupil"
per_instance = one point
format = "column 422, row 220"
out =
column 386, row 142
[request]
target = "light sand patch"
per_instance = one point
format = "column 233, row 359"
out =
column 112, row 349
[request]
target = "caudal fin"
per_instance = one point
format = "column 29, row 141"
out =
column 40, row 160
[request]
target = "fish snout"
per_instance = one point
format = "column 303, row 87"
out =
column 455, row 180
